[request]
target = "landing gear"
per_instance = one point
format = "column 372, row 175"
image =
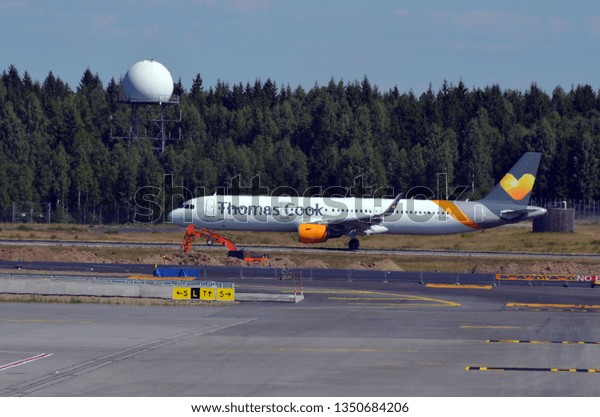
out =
column 353, row 244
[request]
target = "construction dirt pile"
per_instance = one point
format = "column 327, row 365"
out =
column 41, row 254
column 543, row 268
column 192, row 258
column 196, row 258
column 315, row 264
column 384, row 265
column 203, row 259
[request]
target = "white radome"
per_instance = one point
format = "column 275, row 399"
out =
column 148, row 81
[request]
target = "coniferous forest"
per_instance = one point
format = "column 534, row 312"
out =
column 62, row 154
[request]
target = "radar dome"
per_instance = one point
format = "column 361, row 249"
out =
column 148, row 81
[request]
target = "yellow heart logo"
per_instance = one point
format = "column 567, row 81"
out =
column 517, row 189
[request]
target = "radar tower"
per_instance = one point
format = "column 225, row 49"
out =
column 148, row 89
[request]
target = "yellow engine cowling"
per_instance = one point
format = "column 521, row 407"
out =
column 312, row 233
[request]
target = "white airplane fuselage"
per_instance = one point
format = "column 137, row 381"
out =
column 317, row 219
column 286, row 214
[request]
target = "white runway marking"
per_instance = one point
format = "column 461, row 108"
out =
column 24, row 361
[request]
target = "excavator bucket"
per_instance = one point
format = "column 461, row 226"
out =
column 191, row 233
column 188, row 239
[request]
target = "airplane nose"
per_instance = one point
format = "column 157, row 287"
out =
column 170, row 217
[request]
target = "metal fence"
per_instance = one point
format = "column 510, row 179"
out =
column 585, row 210
column 28, row 212
column 25, row 212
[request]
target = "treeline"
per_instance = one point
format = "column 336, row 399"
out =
column 58, row 146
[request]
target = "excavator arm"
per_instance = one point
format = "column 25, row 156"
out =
column 211, row 237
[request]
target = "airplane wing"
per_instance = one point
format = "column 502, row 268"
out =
column 362, row 225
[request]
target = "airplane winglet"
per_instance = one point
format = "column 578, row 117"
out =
column 392, row 208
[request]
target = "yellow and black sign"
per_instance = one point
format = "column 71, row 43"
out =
column 204, row 293
column 182, row 293
column 208, row 293
column 225, row 294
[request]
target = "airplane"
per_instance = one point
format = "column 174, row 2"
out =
column 317, row 219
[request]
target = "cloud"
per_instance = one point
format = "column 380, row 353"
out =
column 503, row 23
column 592, row 23
column 12, row 5
column 237, row 5
column 498, row 21
column 559, row 25
column 401, row 13
column 105, row 21
column 251, row 4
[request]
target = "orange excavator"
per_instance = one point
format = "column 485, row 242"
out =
column 212, row 237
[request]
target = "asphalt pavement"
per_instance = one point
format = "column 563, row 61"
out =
column 347, row 338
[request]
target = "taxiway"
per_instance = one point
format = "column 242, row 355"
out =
column 347, row 338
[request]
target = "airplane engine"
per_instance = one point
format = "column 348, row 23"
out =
column 317, row 233
column 312, row 233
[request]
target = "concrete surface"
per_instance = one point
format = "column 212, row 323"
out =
column 344, row 339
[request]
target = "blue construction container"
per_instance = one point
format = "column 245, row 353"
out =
column 177, row 271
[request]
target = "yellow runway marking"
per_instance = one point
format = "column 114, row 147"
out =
column 465, row 287
column 528, row 369
column 400, row 300
column 544, row 342
column 398, row 305
column 325, row 291
column 373, row 298
column 535, row 305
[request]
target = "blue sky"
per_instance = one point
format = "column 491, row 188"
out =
column 408, row 44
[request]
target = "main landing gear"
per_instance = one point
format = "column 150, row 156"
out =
column 353, row 244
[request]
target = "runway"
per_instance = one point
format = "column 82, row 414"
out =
column 347, row 338
column 311, row 249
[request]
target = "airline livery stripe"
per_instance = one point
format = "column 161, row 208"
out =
column 453, row 210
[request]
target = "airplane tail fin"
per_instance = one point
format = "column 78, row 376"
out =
column 515, row 187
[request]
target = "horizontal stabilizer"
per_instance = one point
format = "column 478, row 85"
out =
column 512, row 214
